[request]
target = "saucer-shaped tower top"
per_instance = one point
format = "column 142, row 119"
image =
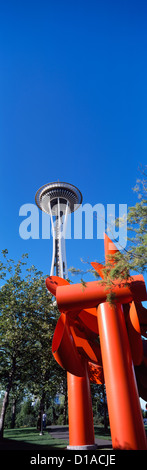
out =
column 48, row 196
column 58, row 199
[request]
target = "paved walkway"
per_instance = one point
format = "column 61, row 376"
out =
column 61, row 432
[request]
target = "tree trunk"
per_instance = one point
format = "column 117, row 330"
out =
column 42, row 403
column 13, row 413
column 6, row 399
column 4, row 408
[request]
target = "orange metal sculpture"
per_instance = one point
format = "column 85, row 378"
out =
column 118, row 359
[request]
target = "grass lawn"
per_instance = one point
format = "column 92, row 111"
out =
column 29, row 438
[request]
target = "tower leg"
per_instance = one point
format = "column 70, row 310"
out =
column 81, row 430
column 127, row 428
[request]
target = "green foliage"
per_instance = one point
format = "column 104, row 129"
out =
column 134, row 257
column 27, row 322
column 99, row 404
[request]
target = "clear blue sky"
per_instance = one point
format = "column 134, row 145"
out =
column 73, row 107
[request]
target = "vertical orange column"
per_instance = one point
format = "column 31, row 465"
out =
column 127, row 428
column 81, row 430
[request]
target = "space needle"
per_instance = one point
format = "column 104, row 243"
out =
column 58, row 200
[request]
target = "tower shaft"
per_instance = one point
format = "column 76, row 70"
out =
column 58, row 222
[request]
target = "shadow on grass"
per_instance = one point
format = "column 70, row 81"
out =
column 20, row 431
column 30, row 439
column 54, row 437
column 11, row 444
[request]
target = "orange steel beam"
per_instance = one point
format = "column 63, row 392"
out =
column 64, row 349
column 126, row 423
column 73, row 297
column 81, row 429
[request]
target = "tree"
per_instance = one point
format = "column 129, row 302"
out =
column 27, row 322
column 134, row 257
column 99, row 402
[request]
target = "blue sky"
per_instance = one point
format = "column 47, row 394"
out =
column 73, row 107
